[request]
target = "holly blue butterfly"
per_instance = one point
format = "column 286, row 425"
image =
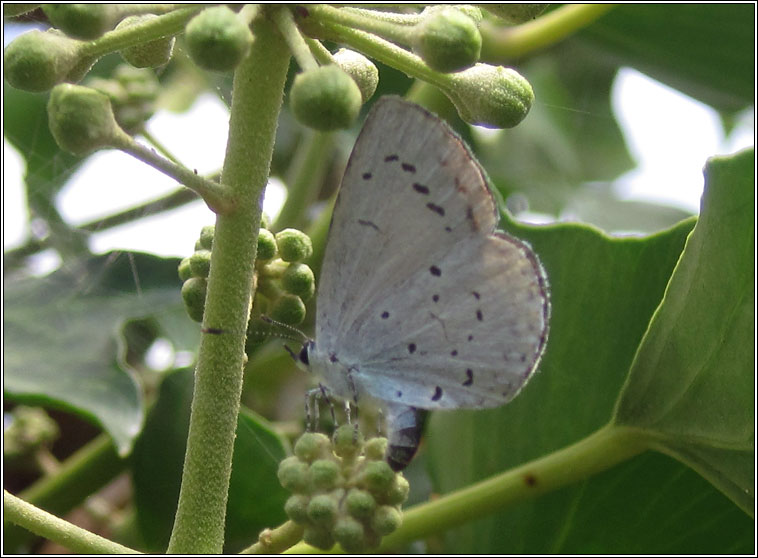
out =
column 421, row 303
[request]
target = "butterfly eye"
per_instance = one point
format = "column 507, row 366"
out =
column 304, row 352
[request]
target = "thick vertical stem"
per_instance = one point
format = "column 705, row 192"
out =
column 256, row 102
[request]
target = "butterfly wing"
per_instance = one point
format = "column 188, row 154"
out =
column 420, row 300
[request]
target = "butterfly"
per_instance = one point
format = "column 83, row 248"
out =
column 422, row 305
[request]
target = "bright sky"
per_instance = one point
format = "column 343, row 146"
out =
column 671, row 145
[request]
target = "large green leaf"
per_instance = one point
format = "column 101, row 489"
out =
column 692, row 382
column 256, row 499
column 64, row 336
column 604, row 291
column 705, row 50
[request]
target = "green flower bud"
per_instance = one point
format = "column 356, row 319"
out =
column 206, row 236
column 193, row 294
column 29, row 429
column 200, row 263
column 298, row 280
column 361, row 69
column 81, row 119
column 447, row 40
column 360, row 503
column 146, row 55
column 132, row 93
column 490, row 96
column 184, row 269
column 293, row 474
column 350, row 534
column 218, row 39
column 398, row 492
column 377, row 477
column 325, row 98
column 296, row 508
column 324, row 474
column 313, row 445
column 37, row 60
column 348, row 441
column 375, row 448
column 266, row 246
column 82, row 21
column 318, row 537
column 294, row 245
column 386, row 520
column 323, row 510
column 288, row 309
column 515, row 13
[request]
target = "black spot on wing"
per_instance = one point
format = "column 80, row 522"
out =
column 390, row 158
column 411, row 348
column 437, row 394
column 420, row 188
column 367, row 223
column 438, row 209
column 469, row 377
column 436, row 271
column 407, row 167
column 366, row 176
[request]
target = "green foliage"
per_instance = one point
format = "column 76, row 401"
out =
column 651, row 336
column 691, row 384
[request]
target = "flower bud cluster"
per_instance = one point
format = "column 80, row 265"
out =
column 132, row 92
column 194, row 271
column 342, row 490
column 283, row 282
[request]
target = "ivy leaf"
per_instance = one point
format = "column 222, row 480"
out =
column 64, row 337
column 691, row 385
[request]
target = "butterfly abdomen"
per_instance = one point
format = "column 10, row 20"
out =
column 404, row 428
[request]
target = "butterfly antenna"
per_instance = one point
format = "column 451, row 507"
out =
column 302, row 336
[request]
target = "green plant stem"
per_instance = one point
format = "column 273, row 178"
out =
column 597, row 452
column 79, row 476
column 217, row 196
column 256, row 102
column 164, row 25
column 158, row 145
column 273, row 541
column 384, row 51
column 365, row 21
column 501, row 44
column 392, row 17
column 286, row 24
column 182, row 196
column 321, row 53
column 58, row 530
column 309, row 167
